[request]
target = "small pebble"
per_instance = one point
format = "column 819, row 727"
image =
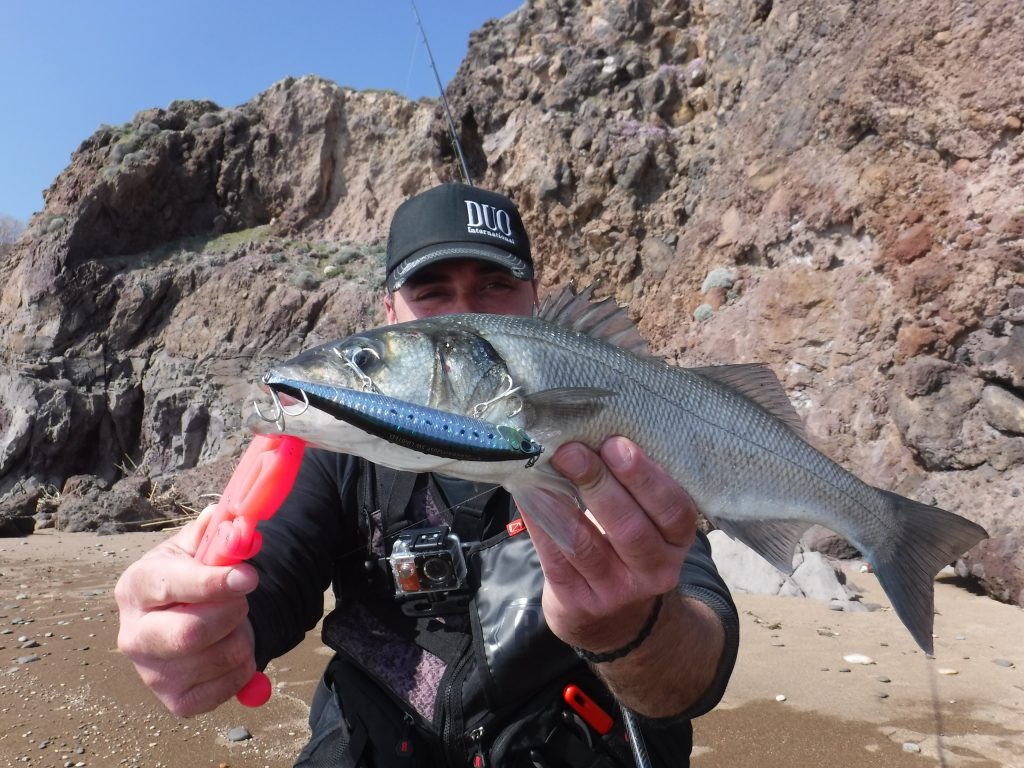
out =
column 780, row 697
column 883, row 695
column 858, row 658
column 239, row 733
column 26, row 659
column 844, row 669
column 961, row 637
column 909, row 746
column 948, row 671
column 884, row 679
column 1003, row 662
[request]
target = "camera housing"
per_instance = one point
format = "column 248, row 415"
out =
column 427, row 561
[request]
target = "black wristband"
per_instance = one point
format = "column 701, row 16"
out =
column 645, row 631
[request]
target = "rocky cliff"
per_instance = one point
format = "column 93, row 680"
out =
column 834, row 188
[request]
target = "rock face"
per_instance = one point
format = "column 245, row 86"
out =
column 832, row 188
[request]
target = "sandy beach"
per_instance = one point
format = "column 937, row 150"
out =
column 68, row 698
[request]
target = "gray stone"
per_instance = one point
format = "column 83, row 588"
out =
column 703, row 313
column 746, row 571
column 1003, row 410
column 239, row 733
column 817, row 578
column 720, row 277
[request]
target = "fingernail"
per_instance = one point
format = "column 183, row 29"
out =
column 239, row 580
column 570, row 461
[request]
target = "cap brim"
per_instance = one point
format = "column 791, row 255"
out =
column 432, row 254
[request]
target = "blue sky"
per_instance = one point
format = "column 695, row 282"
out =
column 69, row 66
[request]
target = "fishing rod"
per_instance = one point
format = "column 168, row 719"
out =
column 444, row 99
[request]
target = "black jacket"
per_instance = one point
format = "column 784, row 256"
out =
column 316, row 540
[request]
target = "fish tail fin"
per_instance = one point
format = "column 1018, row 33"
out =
column 926, row 540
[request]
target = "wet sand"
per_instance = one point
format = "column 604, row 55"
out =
column 81, row 703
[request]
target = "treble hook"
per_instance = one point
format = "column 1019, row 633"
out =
column 365, row 382
column 480, row 408
column 281, row 410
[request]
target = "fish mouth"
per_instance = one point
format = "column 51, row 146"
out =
column 283, row 397
column 285, row 401
column 282, row 390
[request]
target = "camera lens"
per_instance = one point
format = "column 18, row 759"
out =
column 437, row 569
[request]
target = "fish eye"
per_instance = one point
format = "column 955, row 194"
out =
column 364, row 358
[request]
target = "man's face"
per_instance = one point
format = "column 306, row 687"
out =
column 460, row 285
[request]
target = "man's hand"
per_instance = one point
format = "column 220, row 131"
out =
column 601, row 596
column 184, row 624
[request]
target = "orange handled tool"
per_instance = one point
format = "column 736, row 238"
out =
column 260, row 482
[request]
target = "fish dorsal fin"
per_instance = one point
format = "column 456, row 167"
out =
column 758, row 382
column 604, row 320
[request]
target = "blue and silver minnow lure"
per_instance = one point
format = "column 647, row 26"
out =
column 423, row 429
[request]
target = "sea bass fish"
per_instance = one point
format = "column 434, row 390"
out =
column 580, row 371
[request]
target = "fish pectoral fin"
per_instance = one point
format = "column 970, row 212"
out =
column 774, row 540
column 551, row 410
column 758, row 382
column 552, row 505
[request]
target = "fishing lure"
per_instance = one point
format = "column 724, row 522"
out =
column 418, row 427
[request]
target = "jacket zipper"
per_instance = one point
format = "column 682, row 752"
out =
column 479, row 755
column 450, row 712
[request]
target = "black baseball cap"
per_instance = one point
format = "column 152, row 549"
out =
column 456, row 221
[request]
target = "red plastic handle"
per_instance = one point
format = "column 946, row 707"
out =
column 260, row 482
column 588, row 709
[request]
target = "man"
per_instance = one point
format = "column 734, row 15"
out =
column 638, row 610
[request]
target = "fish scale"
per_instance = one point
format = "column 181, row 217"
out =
column 726, row 434
column 722, row 440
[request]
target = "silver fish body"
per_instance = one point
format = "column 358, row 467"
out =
column 578, row 372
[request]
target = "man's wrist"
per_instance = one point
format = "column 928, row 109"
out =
column 632, row 645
